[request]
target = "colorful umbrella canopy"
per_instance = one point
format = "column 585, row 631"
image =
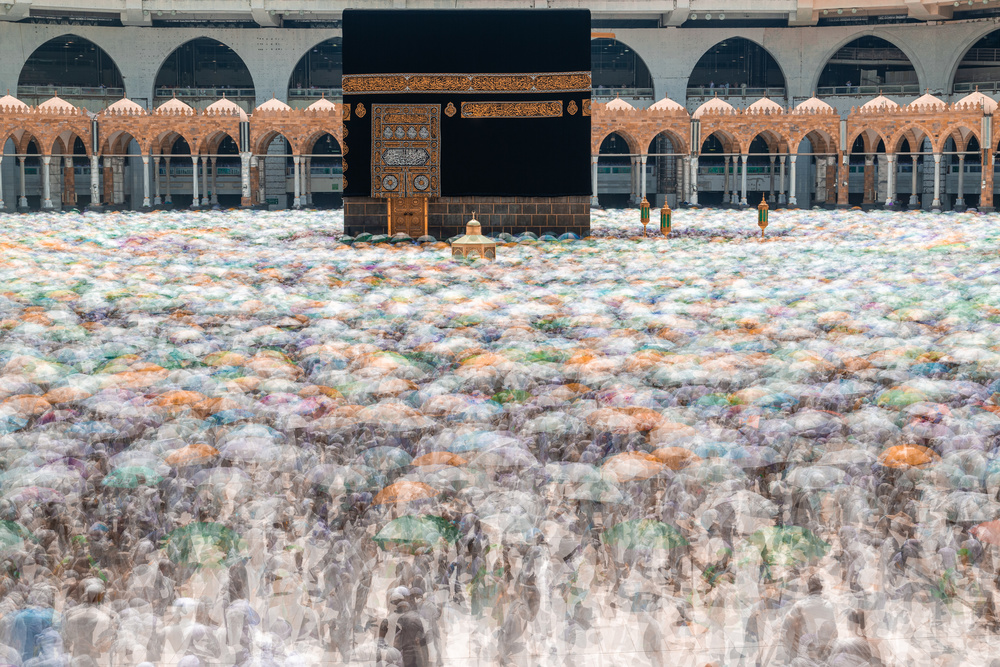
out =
column 788, row 545
column 414, row 532
column 404, row 492
column 204, row 544
column 905, row 456
column 131, row 477
column 646, row 534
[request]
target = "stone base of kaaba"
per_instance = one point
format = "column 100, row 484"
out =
column 447, row 216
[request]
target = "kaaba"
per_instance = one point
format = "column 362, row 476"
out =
column 454, row 114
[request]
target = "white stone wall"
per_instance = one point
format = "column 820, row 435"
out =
column 670, row 53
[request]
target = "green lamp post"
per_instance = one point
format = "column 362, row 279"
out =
column 762, row 215
column 665, row 214
column 644, row 214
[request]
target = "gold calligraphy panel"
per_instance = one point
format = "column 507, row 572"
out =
column 547, row 109
column 554, row 82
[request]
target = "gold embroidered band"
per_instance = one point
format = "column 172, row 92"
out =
column 548, row 109
column 557, row 82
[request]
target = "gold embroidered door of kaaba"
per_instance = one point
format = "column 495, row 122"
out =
column 406, row 150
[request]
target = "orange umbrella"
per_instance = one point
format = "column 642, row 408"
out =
column 439, row 458
column 676, row 458
column 904, row 456
column 317, row 389
column 987, row 532
column 225, row 359
column 404, row 492
column 178, row 397
column 646, row 419
column 210, row 406
column 607, row 420
column 668, row 432
column 27, row 404
column 65, row 395
column 629, row 466
column 192, row 455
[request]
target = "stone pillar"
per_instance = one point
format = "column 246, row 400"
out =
column 890, row 184
column 22, row 202
column 594, row 202
column 960, row 199
column 781, row 181
column 145, row 181
column 725, row 181
column 215, row 183
column 743, row 181
column 986, row 187
column 167, row 199
column 770, row 191
column 694, row 180
column 297, row 200
column 3, row 204
column 914, row 197
column 194, row 181
column 869, row 196
column 642, row 177
column 95, row 184
column 246, row 198
column 46, row 184
column 157, row 200
column 69, row 182
column 792, row 201
column 843, row 174
column 204, row 181
column 936, row 203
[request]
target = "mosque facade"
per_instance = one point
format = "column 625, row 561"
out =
column 698, row 102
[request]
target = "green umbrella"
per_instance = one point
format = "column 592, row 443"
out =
column 644, row 534
column 201, row 544
column 416, row 531
column 12, row 536
column 130, row 477
column 787, row 545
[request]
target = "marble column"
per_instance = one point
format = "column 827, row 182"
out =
column 46, row 184
column 594, row 202
column 890, row 185
column 157, row 200
column 245, row 192
column 781, row 181
column 95, row 185
column 843, row 180
column 792, row 199
column 743, row 180
column 145, row 181
column 296, row 200
column 22, row 202
column 960, row 200
column 936, row 203
column 3, row 204
column 642, row 177
column 194, row 181
column 694, row 180
column 307, row 181
column 914, row 197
